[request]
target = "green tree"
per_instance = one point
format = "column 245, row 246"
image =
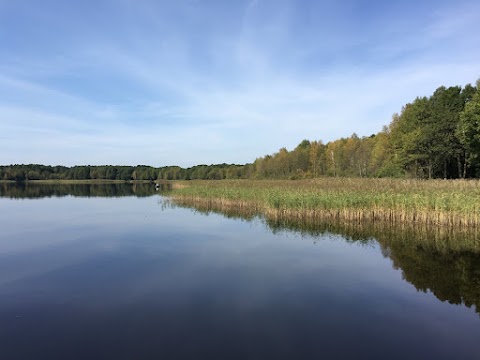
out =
column 468, row 131
column 440, row 130
column 410, row 140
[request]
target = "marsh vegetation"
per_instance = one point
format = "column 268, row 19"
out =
column 433, row 202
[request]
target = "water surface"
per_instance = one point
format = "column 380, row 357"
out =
column 103, row 271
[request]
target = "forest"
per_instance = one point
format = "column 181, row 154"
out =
column 432, row 137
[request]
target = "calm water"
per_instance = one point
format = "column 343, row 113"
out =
column 115, row 272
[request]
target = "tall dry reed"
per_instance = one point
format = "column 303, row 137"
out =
column 433, row 202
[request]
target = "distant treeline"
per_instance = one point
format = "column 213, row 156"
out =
column 21, row 173
column 432, row 137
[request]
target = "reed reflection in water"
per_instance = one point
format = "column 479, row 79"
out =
column 442, row 260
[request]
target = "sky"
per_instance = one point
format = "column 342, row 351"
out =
column 187, row 82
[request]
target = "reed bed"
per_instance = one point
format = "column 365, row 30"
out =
column 452, row 203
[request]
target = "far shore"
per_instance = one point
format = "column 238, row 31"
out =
column 86, row 181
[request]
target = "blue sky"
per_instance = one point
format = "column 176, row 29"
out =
column 190, row 82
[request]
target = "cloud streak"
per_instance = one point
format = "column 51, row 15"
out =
column 205, row 82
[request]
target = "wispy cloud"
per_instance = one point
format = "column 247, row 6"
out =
column 199, row 82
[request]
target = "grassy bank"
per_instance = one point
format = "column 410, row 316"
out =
column 433, row 202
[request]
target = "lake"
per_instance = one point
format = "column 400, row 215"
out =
column 120, row 272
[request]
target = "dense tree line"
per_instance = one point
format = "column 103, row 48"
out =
column 22, row 173
column 432, row 137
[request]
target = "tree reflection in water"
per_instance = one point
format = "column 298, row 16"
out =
column 444, row 261
column 38, row 190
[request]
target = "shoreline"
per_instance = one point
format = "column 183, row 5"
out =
column 398, row 202
column 435, row 237
column 347, row 215
column 86, row 181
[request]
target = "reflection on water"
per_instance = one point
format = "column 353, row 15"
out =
column 444, row 261
column 41, row 190
column 114, row 273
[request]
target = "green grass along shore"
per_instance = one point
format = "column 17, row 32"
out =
column 431, row 202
